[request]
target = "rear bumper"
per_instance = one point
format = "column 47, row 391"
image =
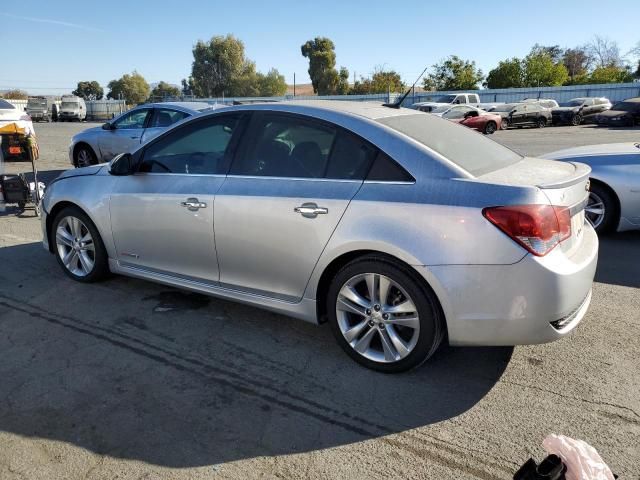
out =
column 517, row 304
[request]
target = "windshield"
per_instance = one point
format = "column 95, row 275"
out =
column 572, row 103
column 36, row 102
column 503, row 108
column 69, row 104
column 445, row 99
column 626, row 106
column 440, row 109
column 473, row 152
column 4, row 105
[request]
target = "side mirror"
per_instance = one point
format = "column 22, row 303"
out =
column 107, row 126
column 121, row 165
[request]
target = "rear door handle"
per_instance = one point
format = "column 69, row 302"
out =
column 311, row 210
column 193, row 204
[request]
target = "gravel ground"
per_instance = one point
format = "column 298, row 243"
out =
column 131, row 380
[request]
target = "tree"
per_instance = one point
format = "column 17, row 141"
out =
column 554, row 51
column 273, row 84
column 343, row 82
column 605, row 52
column 322, row 62
column 508, row 74
column 187, row 86
column 89, row 90
column 15, row 95
column 164, row 90
column 454, row 73
column 577, row 61
column 540, row 71
column 218, row 66
column 611, row 74
column 133, row 88
column 381, row 81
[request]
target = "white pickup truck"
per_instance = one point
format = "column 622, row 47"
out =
column 448, row 99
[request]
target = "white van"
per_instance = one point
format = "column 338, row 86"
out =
column 72, row 108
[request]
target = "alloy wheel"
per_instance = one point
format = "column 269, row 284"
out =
column 75, row 246
column 595, row 210
column 84, row 158
column 377, row 317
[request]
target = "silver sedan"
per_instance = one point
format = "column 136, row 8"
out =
column 614, row 200
column 398, row 228
column 129, row 130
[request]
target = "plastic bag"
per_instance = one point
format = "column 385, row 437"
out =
column 581, row 459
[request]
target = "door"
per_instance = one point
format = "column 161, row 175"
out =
column 518, row 116
column 162, row 217
column 125, row 134
column 284, row 196
column 161, row 119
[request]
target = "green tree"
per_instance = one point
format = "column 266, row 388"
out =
column 554, row 51
column 381, row 81
column 89, row 90
column 322, row 62
column 15, row 94
column 611, row 74
column 273, row 84
column 164, row 90
column 219, row 66
column 133, row 88
column 508, row 74
column 540, row 71
column 577, row 62
column 343, row 82
column 454, row 73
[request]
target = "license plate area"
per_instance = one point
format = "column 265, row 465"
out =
column 15, row 150
column 577, row 225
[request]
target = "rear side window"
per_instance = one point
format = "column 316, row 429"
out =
column 385, row 169
column 350, row 157
column 468, row 149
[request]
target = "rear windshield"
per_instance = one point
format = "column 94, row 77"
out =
column 626, row 106
column 468, row 149
column 4, row 105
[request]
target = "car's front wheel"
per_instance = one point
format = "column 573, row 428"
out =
column 78, row 246
column 505, row 124
column 541, row 122
column 576, row 120
column 601, row 209
column 490, row 128
column 84, row 156
column 383, row 316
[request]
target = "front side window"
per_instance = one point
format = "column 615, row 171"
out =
column 461, row 99
column 163, row 117
column 132, row 120
column 199, row 147
column 456, row 113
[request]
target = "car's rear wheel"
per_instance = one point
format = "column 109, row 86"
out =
column 601, row 209
column 541, row 122
column 576, row 120
column 383, row 316
column 490, row 128
column 78, row 246
column 84, row 156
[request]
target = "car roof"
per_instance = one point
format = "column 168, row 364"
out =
column 632, row 100
column 185, row 106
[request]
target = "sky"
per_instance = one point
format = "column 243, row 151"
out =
column 51, row 45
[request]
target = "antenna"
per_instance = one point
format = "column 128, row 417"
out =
column 398, row 103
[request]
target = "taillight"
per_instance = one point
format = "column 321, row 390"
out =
column 538, row 228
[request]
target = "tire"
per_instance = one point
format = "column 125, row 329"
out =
column 370, row 323
column 541, row 122
column 83, row 156
column 490, row 128
column 602, row 209
column 78, row 247
column 505, row 124
column 576, row 120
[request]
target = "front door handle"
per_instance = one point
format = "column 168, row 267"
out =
column 193, row 204
column 311, row 210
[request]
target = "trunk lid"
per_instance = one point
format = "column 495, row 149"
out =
column 565, row 184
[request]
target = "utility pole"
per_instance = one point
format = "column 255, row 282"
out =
column 294, row 84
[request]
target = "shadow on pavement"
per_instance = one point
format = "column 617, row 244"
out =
column 619, row 259
column 140, row 371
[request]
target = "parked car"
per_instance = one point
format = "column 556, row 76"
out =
column 576, row 110
column 10, row 114
column 523, row 114
column 543, row 102
column 448, row 99
column 40, row 108
column 614, row 198
column 397, row 227
column 127, row 131
column 72, row 109
column 622, row 114
column 471, row 117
